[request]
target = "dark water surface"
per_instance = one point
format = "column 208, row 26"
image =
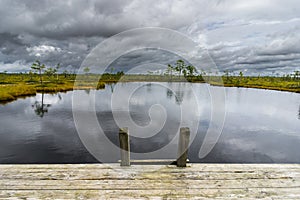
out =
column 261, row 126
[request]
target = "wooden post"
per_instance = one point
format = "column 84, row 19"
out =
column 124, row 147
column 183, row 145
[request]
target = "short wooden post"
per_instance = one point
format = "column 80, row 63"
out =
column 183, row 145
column 124, row 147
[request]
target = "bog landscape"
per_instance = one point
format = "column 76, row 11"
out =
column 136, row 99
column 47, row 79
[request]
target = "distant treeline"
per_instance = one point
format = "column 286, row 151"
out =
column 47, row 79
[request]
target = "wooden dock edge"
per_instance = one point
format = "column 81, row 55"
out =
column 112, row 181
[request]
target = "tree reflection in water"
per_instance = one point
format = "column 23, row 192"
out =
column 178, row 92
column 112, row 85
column 40, row 108
column 169, row 93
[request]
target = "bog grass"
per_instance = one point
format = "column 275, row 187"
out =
column 13, row 86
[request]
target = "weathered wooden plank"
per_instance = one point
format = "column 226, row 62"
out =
column 136, row 171
column 147, row 184
column 281, row 193
column 199, row 181
column 194, row 167
column 60, row 173
column 112, row 175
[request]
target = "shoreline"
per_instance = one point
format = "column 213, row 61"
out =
column 66, row 88
column 14, row 86
column 260, row 87
column 9, row 93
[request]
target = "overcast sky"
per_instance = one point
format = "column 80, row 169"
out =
column 257, row 36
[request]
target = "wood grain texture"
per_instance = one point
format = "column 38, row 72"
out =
column 111, row 181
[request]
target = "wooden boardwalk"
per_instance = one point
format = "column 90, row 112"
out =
column 197, row 181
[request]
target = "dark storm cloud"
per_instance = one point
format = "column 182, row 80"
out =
column 145, row 60
column 281, row 53
column 283, row 45
column 59, row 19
column 239, row 34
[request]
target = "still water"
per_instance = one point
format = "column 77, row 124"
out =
column 260, row 126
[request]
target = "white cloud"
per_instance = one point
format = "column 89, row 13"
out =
column 42, row 50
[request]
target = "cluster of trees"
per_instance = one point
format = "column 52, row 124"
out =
column 293, row 76
column 41, row 69
column 181, row 68
column 38, row 68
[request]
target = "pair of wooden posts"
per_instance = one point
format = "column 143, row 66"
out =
column 183, row 145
